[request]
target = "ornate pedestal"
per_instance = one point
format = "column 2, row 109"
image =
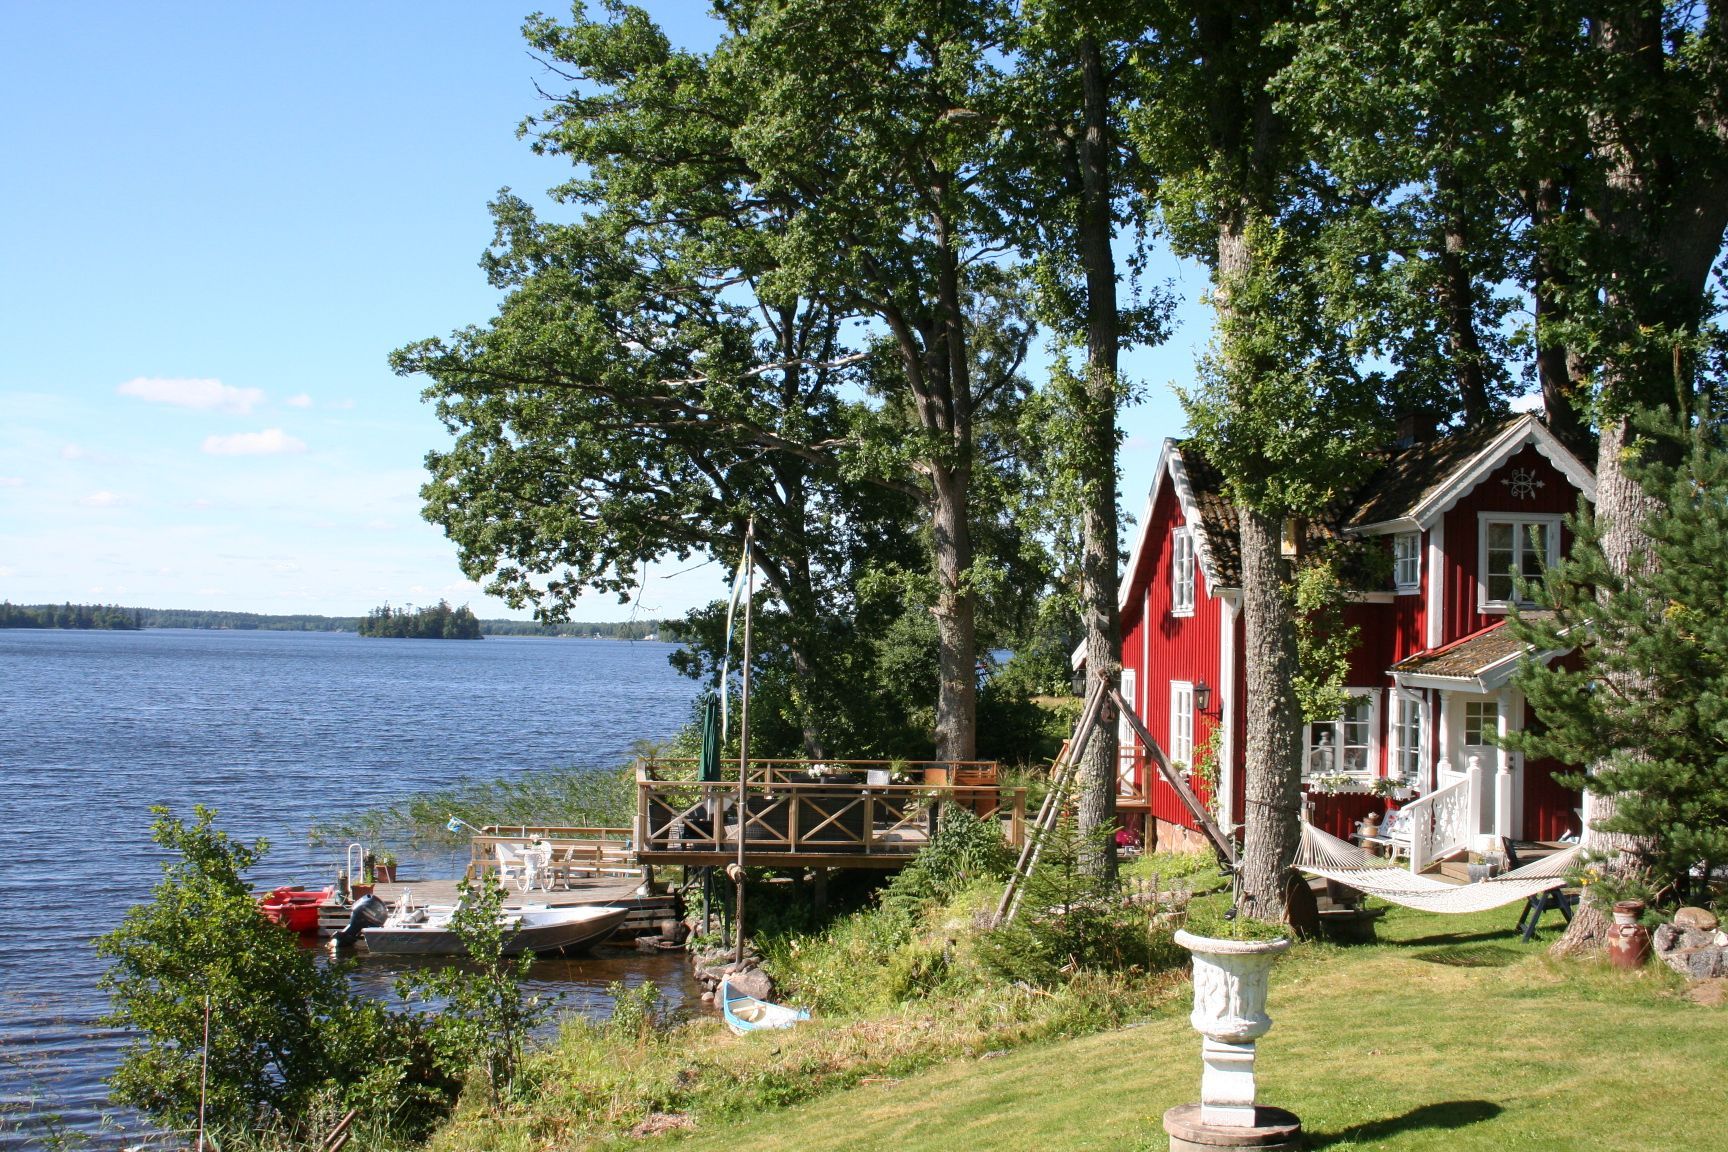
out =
column 1230, row 1014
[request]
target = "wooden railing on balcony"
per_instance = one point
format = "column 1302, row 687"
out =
column 841, row 813
column 571, row 852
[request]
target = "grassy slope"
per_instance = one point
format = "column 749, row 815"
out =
column 1450, row 1034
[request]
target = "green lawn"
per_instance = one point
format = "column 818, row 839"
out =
column 1449, row 1034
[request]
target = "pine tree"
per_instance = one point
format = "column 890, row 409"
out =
column 1663, row 729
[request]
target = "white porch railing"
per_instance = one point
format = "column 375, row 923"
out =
column 1443, row 822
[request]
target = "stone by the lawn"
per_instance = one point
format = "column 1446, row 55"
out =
column 753, row 982
column 1665, row 937
column 1700, row 918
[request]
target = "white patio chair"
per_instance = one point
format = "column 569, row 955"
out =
column 516, row 863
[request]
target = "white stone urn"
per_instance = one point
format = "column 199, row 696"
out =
column 1230, row 1013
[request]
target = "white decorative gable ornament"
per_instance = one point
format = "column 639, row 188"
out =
column 1522, row 483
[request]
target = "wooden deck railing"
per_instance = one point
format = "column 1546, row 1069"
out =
column 863, row 812
column 570, row 851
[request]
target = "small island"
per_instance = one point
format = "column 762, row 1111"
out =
column 437, row 622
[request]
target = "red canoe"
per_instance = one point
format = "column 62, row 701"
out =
column 296, row 909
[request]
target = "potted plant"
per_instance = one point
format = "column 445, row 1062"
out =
column 1233, row 960
column 384, row 868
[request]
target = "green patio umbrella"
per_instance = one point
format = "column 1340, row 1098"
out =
column 710, row 764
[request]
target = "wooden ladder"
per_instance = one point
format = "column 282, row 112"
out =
column 1062, row 773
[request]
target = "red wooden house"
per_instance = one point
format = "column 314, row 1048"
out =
column 1429, row 682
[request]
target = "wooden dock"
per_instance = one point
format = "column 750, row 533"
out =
column 646, row 912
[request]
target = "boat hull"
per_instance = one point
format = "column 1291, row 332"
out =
column 554, row 930
column 746, row 1014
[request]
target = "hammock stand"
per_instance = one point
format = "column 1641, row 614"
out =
column 1323, row 854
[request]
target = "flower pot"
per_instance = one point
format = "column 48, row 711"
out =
column 1628, row 940
column 383, row 873
column 1230, row 978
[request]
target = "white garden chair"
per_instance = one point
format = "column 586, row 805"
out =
column 517, row 863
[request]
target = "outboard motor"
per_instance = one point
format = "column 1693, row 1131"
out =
column 369, row 912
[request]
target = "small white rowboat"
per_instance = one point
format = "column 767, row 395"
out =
column 748, row 1014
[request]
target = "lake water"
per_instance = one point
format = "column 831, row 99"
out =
column 277, row 731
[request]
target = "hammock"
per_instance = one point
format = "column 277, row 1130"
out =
column 1335, row 859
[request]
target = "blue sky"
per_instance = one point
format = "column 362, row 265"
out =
column 217, row 220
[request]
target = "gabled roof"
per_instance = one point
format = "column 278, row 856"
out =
column 1485, row 659
column 1199, row 493
column 1420, row 483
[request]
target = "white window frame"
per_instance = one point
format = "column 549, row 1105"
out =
column 1483, row 522
column 1182, row 725
column 1127, row 743
column 1407, row 731
column 1334, row 729
column 1480, row 706
column 1182, row 571
column 1407, row 562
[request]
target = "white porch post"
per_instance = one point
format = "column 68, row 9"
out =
column 1478, row 794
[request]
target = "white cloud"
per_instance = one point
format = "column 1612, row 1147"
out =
column 191, row 393
column 102, row 499
column 71, row 452
column 299, row 400
column 270, row 442
column 11, row 481
column 1528, row 403
column 6, row 573
column 342, row 404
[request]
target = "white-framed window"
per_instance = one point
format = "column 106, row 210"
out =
column 1407, row 561
column 1127, row 744
column 1182, row 572
column 1409, row 720
column 1512, row 547
column 1481, row 722
column 1182, row 723
column 1349, row 745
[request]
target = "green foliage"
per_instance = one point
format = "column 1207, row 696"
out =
column 1648, row 695
column 69, row 615
column 483, row 1020
column 436, row 622
column 1318, row 596
column 1218, row 920
column 571, row 797
column 286, row 1034
column 637, row 1013
column 966, row 850
column 1071, row 919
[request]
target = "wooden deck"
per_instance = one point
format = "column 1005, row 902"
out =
column 802, row 814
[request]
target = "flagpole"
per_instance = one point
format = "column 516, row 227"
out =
column 744, row 734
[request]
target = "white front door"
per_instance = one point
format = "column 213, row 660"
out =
column 1474, row 723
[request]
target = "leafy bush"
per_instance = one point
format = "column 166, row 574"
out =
column 287, row 1036
column 965, row 850
column 1071, row 920
column 485, row 1020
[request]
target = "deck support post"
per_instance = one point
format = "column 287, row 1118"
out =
column 819, row 890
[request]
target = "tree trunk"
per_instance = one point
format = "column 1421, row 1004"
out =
column 1622, row 507
column 957, row 645
column 1559, row 370
column 1098, row 567
column 1468, row 367
column 1274, row 753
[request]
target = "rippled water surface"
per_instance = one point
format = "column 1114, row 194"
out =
column 276, row 730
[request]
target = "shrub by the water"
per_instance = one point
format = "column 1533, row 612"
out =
column 288, row 1039
column 484, row 1018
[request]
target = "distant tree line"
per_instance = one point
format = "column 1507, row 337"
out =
column 109, row 616
column 113, row 616
column 434, row 622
